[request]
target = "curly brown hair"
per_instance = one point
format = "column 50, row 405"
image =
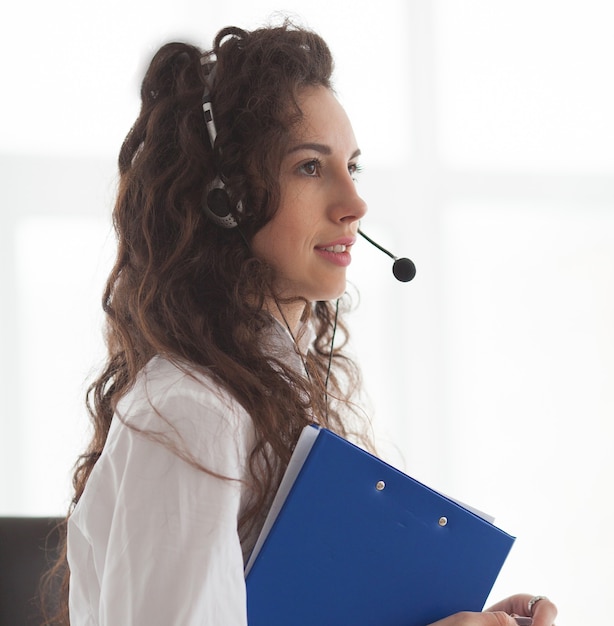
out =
column 191, row 291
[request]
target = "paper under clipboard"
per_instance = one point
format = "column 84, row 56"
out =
column 351, row 540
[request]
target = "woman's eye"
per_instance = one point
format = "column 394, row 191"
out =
column 311, row 168
column 354, row 169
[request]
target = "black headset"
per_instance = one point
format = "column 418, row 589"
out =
column 216, row 201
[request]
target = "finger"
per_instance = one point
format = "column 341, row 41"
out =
column 544, row 613
column 501, row 618
column 495, row 618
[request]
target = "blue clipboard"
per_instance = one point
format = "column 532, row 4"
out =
column 352, row 540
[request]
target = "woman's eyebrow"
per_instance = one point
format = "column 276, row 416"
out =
column 318, row 147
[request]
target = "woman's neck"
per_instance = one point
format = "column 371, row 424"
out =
column 289, row 314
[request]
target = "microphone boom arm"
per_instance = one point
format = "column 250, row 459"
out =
column 376, row 245
column 403, row 269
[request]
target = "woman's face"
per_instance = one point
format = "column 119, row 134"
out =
column 309, row 240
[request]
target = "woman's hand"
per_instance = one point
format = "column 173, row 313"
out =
column 542, row 611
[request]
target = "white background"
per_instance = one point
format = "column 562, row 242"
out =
column 488, row 141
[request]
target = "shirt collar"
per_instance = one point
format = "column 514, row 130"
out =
column 290, row 348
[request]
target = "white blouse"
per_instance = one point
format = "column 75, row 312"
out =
column 153, row 540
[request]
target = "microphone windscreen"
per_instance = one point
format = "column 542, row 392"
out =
column 404, row 270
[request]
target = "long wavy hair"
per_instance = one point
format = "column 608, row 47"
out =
column 191, row 291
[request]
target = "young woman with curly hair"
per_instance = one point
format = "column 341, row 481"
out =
column 236, row 215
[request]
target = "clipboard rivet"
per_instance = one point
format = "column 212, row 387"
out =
column 443, row 521
column 380, row 485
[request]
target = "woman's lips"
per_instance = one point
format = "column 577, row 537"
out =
column 337, row 252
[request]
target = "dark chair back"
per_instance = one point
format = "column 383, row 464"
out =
column 28, row 545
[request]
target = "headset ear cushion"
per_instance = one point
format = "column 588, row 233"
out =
column 218, row 202
column 217, row 207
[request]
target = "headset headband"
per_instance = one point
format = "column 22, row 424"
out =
column 216, row 203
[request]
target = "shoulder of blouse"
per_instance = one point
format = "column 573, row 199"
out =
column 182, row 408
column 163, row 380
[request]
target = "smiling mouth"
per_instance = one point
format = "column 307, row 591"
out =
column 338, row 248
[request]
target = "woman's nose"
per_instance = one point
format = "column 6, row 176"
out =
column 349, row 205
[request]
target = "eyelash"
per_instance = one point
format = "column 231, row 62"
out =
column 353, row 168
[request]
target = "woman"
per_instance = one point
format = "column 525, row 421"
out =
column 236, row 216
